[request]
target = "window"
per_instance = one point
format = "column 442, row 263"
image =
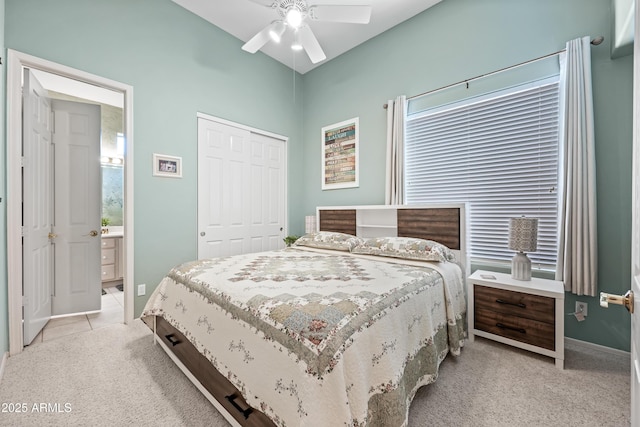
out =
column 498, row 152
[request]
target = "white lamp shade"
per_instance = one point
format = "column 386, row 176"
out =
column 310, row 224
column 277, row 31
column 523, row 234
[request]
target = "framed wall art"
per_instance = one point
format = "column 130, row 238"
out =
column 340, row 155
column 167, row 166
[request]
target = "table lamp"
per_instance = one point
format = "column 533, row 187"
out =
column 310, row 224
column 523, row 237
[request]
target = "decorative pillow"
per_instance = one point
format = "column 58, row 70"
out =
column 405, row 247
column 329, row 240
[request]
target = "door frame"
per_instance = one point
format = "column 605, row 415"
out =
column 635, row 231
column 15, row 62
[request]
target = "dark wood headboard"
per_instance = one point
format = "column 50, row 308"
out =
column 338, row 220
column 442, row 224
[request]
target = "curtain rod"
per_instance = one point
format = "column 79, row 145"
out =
column 594, row 42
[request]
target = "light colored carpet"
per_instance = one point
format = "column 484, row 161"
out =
column 115, row 376
column 492, row 384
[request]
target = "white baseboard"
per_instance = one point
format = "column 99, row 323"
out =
column 598, row 347
column 3, row 363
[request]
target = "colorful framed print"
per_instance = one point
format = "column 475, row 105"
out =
column 340, row 155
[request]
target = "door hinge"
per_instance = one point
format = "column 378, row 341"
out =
column 25, row 301
column 22, row 230
column 53, row 123
column 22, row 161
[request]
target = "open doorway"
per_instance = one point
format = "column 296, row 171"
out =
column 81, row 300
column 16, row 63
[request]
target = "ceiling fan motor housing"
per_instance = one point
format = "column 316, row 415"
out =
column 286, row 5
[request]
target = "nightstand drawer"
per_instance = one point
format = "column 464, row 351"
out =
column 525, row 314
column 521, row 329
column 534, row 307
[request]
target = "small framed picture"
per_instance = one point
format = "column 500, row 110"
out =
column 168, row 166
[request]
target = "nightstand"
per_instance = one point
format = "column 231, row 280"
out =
column 524, row 314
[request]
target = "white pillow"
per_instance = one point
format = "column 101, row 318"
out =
column 405, row 247
column 329, row 240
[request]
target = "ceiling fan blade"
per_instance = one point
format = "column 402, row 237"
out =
column 310, row 44
column 340, row 13
column 259, row 40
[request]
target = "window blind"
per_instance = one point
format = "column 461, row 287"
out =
column 498, row 153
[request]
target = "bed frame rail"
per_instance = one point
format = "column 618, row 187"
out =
column 216, row 388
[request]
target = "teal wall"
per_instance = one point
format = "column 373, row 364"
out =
column 179, row 64
column 4, row 315
column 460, row 39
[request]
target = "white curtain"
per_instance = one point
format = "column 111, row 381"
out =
column 577, row 248
column 394, row 184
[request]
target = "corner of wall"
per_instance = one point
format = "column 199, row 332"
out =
column 622, row 26
column 4, row 309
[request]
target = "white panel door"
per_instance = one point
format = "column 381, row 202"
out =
column 77, row 207
column 37, row 208
column 241, row 190
column 267, row 193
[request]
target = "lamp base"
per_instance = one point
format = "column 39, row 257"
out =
column 521, row 267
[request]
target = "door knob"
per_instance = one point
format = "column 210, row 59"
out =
column 92, row 233
column 52, row 235
column 626, row 300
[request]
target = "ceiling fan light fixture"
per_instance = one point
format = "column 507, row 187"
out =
column 296, row 45
column 277, row 31
column 294, row 17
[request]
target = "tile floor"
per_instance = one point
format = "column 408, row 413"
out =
column 112, row 312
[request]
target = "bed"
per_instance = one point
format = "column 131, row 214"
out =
column 342, row 328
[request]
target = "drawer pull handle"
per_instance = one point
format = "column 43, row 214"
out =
column 517, row 304
column 511, row 328
column 232, row 399
column 172, row 340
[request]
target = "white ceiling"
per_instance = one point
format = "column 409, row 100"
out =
column 244, row 18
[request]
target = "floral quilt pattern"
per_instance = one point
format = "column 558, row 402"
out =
column 280, row 268
column 320, row 328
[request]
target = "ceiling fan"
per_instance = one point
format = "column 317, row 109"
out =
column 294, row 14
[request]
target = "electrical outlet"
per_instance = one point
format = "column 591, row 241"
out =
column 142, row 289
column 581, row 307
